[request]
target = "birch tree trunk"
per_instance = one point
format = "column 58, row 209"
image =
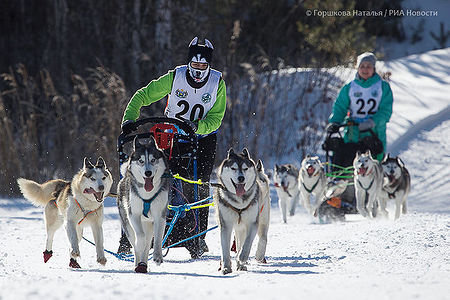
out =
column 163, row 36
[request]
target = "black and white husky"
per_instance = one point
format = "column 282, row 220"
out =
column 143, row 195
column 397, row 184
column 77, row 204
column 312, row 181
column 368, row 181
column 243, row 195
column 286, row 181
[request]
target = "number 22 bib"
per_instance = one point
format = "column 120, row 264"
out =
column 364, row 101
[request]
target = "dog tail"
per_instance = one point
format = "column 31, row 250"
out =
column 41, row 194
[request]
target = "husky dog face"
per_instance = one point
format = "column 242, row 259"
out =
column 311, row 165
column 392, row 168
column 147, row 162
column 237, row 172
column 285, row 176
column 363, row 163
column 96, row 181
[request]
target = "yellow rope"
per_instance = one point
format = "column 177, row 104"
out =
column 193, row 207
column 199, row 182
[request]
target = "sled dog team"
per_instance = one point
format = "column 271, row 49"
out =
column 242, row 200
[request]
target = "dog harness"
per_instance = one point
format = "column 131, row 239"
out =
column 85, row 212
column 237, row 210
column 148, row 202
column 313, row 187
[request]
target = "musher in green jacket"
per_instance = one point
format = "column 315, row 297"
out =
column 366, row 102
column 198, row 93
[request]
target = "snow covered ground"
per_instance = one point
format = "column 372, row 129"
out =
column 368, row 259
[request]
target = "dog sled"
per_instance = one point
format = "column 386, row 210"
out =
column 177, row 138
column 339, row 197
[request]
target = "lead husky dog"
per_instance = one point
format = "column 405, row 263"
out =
column 397, row 184
column 286, row 181
column 238, row 203
column 143, row 195
column 312, row 181
column 368, row 181
column 78, row 203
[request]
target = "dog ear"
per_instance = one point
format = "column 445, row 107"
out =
column 87, row 164
column 277, row 167
column 358, row 153
column 100, row 163
column 245, row 152
column 400, row 162
column 259, row 166
column 230, row 152
column 136, row 143
column 308, row 156
column 368, row 153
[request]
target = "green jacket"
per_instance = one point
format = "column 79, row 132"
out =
column 161, row 87
column 381, row 117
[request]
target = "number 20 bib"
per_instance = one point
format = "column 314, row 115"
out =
column 189, row 103
column 364, row 101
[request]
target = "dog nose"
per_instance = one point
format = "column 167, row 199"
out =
column 101, row 187
column 392, row 171
column 148, row 173
column 241, row 179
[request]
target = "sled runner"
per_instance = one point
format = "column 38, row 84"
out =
column 179, row 142
column 340, row 192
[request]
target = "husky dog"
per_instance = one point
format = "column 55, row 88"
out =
column 286, row 181
column 237, row 204
column 368, row 181
column 397, row 184
column 311, row 181
column 143, row 195
column 263, row 212
column 76, row 204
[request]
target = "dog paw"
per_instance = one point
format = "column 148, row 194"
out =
column 74, row 264
column 47, row 255
column 141, row 268
column 241, row 267
column 262, row 261
column 158, row 260
column 101, row 260
column 226, row 270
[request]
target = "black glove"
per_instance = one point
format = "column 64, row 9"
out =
column 128, row 127
column 332, row 128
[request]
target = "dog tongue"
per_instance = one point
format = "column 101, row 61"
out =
column 310, row 170
column 240, row 190
column 362, row 171
column 148, row 186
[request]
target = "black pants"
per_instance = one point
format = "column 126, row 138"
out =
column 206, row 154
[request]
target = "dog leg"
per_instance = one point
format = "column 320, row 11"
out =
column 246, row 247
column 360, row 205
column 97, row 231
column 382, row 202
column 148, row 227
column 140, row 242
column 282, row 204
column 398, row 204
column 293, row 204
column 52, row 223
column 225, row 239
column 404, row 208
column 158, row 230
column 262, row 243
column 306, row 201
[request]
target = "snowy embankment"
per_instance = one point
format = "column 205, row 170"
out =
column 365, row 259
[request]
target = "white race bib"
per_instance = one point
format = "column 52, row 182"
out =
column 189, row 103
column 364, row 102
